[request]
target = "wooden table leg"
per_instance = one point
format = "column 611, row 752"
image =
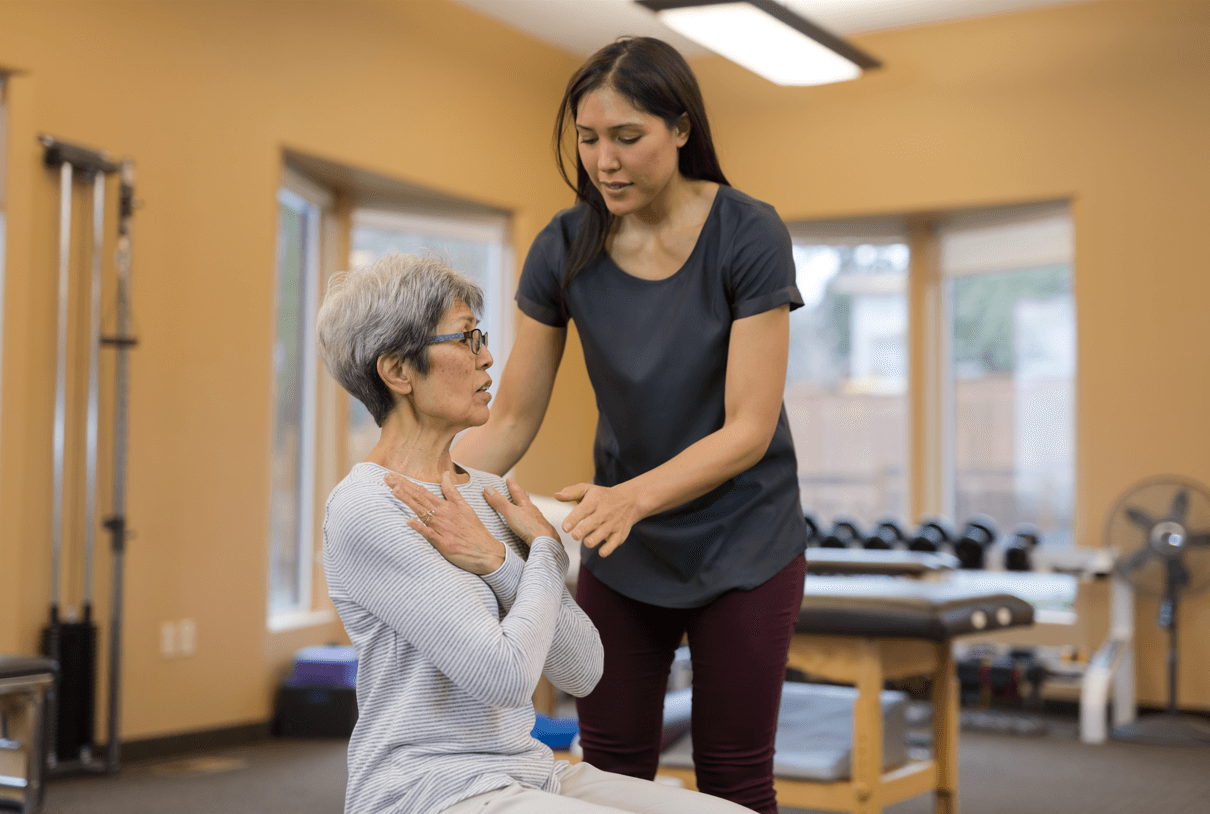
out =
column 945, row 731
column 545, row 697
column 867, row 729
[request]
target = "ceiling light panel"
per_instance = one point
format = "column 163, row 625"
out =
column 766, row 38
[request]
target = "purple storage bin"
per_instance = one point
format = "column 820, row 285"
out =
column 324, row 666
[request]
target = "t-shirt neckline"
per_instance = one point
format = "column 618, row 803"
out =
column 688, row 260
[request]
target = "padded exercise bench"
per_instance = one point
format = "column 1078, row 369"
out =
column 24, row 683
column 864, row 631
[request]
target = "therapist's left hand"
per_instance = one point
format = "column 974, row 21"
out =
column 603, row 517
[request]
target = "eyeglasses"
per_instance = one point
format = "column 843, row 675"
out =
column 477, row 337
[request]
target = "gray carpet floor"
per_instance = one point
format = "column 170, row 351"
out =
column 1000, row 774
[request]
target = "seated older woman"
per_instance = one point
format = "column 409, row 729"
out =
column 449, row 581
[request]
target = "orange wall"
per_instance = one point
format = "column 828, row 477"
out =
column 204, row 96
column 1104, row 103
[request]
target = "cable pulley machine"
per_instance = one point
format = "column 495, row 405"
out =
column 72, row 642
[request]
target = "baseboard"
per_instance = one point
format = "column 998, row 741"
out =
column 188, row 742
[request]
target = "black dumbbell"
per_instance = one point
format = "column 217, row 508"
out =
column 1018, row 555
column 933, row 535
column 887, row 535
column 812, row 529
column 971, row 548
column 844, row 534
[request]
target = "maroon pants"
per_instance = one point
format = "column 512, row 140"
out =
column 738, row 643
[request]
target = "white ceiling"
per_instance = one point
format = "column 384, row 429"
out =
column 583, row 26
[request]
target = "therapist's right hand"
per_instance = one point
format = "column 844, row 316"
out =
column 603, row 515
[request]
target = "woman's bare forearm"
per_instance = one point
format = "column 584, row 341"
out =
column 520, row 403
column 755, row 384
column 705, row 465
column 497, row 445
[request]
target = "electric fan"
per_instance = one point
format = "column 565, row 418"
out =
column 1161, row 531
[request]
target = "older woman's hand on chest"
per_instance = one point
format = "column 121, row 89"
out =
column 523, row 517
column 450, row 525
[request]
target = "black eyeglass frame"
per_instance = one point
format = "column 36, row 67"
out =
column 477, row 337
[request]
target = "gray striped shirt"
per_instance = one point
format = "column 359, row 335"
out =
column 447, row 660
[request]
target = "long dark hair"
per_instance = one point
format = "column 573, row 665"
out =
column 654, row 78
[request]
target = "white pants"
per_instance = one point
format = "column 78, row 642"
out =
column 588, row 790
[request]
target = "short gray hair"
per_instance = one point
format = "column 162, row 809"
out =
column 391, row 307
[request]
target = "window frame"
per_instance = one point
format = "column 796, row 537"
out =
column 294, row 189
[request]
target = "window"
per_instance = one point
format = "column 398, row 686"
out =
column 1011, row 360
column 301, row 208
column 982, row 303
column 330, row 218
column 476, row 245
column 846, row 382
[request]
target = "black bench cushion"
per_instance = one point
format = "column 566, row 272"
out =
column 914, row 609
column 878, row 561
column 23, row 666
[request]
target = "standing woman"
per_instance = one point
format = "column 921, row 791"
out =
column 680, row 288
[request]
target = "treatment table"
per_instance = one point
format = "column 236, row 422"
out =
column 864, row 631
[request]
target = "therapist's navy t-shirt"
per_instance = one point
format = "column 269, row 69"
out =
column 656, row 352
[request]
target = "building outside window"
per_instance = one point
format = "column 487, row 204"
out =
column 1012, row 364
column 846, row 382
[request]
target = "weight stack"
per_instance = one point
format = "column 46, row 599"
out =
column 74, row 715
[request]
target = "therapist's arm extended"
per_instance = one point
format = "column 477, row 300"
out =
column 755, row 385
column 520, row 403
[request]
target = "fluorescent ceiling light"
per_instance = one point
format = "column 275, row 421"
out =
column 766, row 38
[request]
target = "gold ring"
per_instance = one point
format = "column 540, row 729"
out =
column 428, row 516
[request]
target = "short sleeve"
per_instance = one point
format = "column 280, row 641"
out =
column 540, row 291
column 761, row 265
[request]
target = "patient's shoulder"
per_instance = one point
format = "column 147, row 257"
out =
column 363, row 485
